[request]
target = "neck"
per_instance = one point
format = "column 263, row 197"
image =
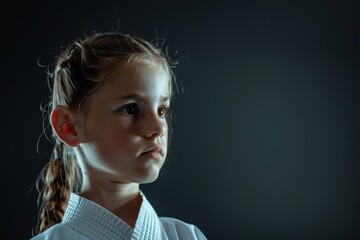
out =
column 122, row 199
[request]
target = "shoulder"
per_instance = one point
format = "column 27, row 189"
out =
column 177, row 229
column 58, row 232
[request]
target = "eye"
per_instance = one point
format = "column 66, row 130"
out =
column 130, row 109
column 163, row 111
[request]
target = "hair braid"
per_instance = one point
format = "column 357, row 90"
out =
column 58, row 182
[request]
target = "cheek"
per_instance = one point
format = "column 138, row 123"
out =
column 109, row 134
column 116, row 148
column 165, row 140
column 97, row 126
column 119, row 139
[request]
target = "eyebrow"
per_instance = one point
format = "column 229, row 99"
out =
column 138, row 97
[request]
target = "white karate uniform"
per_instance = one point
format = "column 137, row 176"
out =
column 84, row 220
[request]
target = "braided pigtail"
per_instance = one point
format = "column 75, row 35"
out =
column 59, row 180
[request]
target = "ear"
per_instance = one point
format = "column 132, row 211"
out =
column 62, row 121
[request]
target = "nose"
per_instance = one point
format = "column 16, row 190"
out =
column 154, row 126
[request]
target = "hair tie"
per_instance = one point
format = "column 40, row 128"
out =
column 58, row 151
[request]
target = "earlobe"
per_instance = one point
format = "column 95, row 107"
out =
column 62, row 121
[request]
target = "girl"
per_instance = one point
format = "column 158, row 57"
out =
column 110, row 99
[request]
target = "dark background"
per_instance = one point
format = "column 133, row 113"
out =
column 267, row 135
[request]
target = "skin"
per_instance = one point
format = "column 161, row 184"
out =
column 122, row 139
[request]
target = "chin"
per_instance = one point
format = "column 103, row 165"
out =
column 149, row 178
column 147, row 175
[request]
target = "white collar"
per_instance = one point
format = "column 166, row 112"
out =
column 95, row 222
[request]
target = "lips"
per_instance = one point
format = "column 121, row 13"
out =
column 155, row 152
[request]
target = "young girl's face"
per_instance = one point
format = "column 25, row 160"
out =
column 124, row 133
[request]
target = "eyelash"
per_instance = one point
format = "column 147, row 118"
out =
column 133, row 109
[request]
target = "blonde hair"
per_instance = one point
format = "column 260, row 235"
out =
column 78, row 72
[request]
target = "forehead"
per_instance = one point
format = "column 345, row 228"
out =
column 142, row 79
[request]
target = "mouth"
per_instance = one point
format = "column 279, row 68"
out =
column 155, row 152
